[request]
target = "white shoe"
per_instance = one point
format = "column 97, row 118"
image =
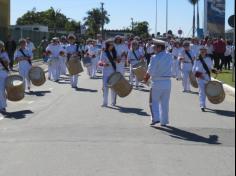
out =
column 104, row 106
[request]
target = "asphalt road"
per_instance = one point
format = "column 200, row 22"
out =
column 58, row 131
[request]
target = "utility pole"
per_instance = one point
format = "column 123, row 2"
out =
column 103, row 20
column 132, row 24
column 167, row 14
column 156, row 20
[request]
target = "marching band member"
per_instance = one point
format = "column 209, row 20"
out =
column 187, row 59
column 4, row 62
column 149, row 51
column 54, row 50
column 159, row 71
column 93, row 54
column 121, row 54
column 202, row 69
column 73, row 50
column 108, row 62
column 62, row 57
column 177, row 50
column 134, row 57
column 24, row 58
column 194, row 46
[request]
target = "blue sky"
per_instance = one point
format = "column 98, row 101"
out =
column 121, row 11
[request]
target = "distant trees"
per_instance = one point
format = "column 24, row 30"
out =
column 141, row 29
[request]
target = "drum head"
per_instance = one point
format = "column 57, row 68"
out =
column 114, row 78
column 138, row 65
column 214, row 88
column 14, row 81
column 36, row 73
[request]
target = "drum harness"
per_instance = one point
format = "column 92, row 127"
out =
column 5, row 67
column 22, row 52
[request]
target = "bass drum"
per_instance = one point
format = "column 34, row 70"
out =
column 193, row 80
column 140, row 70
column 74, row 66
column 37, row 76
column 15, row 88
column 215, row 92
column 119, row 84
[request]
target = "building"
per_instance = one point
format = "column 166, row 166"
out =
column 35, row 27
column 4, row 18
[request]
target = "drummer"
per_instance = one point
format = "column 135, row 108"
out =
column 202, row 69
column 24, row 58
column 134, row 57
column 159, row 71
column 73, row 51
column 62, row 57
column 93, row 51
column 53, row 51
column 121, row 54
column 108, row 62
column 4, row 61
column 186, row 59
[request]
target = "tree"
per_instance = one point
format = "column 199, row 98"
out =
column 94, row 21
column 194, row 2
column 141, row 29
column 52, row 18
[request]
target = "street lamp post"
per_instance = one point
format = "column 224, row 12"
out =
column 102, row 9
column 167, row 10
column 156, row 20
column 132, row 24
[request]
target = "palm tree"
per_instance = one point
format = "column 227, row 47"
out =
column 194, row 2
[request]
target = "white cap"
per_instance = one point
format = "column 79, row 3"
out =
column 159, row 42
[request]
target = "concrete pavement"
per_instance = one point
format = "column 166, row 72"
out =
column 58, row 131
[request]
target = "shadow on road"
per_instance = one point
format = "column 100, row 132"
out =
column 130, row 111
column 86, row 90
column 189, row 136
column 222, row 112
column 17, row 115
column 38, row 93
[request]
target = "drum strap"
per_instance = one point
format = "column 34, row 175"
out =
column 135, row 55
column 22, row 52
column 205, row 66
column 5, row 67
column 111, row 59
column 189, row 55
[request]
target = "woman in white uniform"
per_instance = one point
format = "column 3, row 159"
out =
column 4, row 61
column 108, row 62
column 187, row 59
column 202, row 69
column 24, row 58
column 134, row 57
column 72, row 51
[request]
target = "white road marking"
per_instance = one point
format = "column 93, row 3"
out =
column 1, row 117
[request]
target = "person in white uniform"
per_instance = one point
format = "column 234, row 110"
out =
column 62, row 57
column 121, row 54
column 187, row 59
column 93, row 52
column 30, row 45
column 54, row 50
column 72, row 50
column 134, row 57
column 108, row 62
column 24, row 57
column 177, row 50
column 4, row 61
column 195, row 47
column 202, row 69
column 159, row 70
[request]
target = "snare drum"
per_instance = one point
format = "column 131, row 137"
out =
column 215, row 92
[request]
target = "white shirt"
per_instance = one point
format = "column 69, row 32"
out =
column 198, row 67
column 107, row 70
column 24, row 63
column 131, row 57
column 54, row 49
column 195, row 49
column 160, row 66
column 177, row 51
column 210, row 49
column 120, row 49
column 229, row 50
column 71, row 48
column 30, row 46
column 185, row 56
column 4, row 56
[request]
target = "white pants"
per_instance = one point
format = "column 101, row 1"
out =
column 106, row 92
column 94, row 67
column 3, row 99
column 24, row 72
column 186, row 70
column 160, row 98
column 55, row 70
column 176, row 69
column 62, row 65
column 132, row 76
column 202, row 93
column 74, row 80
